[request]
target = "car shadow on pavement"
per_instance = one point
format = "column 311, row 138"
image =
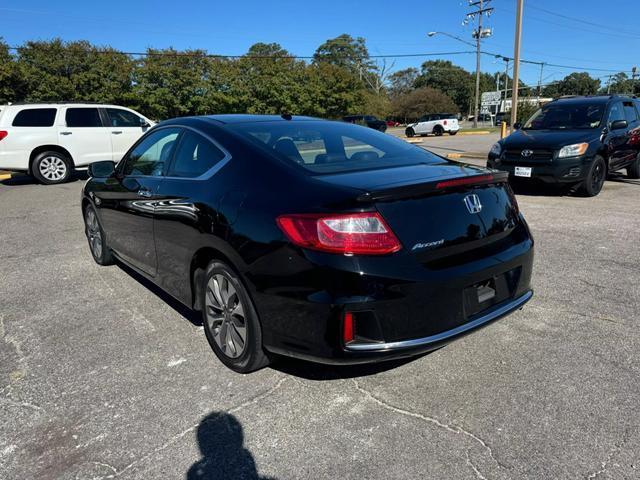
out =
column 618, row 178
column 220, row 439
column 322, row 372
column 191, row 315
column 24, row 179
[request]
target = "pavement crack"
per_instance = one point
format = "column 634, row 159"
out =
column 605, row 464
column 434, row 421
column 473, row 467
column 192, row 428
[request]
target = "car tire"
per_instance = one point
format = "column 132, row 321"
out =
column 52, row 167
column 230, row 320
column 438, row 131
column 95, row 236
column 596, row 177
column 633, row 170
column 452, row 133
column 410, row 132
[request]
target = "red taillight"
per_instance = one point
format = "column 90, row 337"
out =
column 3, row 133
column 459, row 182
column 348, row 234
column 347, row 328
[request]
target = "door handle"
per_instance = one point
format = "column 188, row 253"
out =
column 143, row 192
column 66, row 133
column 117, row 132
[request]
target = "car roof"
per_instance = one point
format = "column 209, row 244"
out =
column 590, row 99
column 58, row 104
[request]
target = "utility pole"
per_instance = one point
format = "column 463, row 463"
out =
column 481, row 8
column 506, row 80
column 540, row 81
column 516, row 64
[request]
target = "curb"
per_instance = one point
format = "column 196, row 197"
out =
column 474, row 155
column 475, row 132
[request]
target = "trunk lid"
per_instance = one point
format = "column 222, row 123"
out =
column 443, row 214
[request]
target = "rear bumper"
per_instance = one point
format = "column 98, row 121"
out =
column 570, row 170
column 417, row 311
column 476, row 322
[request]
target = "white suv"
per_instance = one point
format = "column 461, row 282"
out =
column 50, row 140
column 436, row 123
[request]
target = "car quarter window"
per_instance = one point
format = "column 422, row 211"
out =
column 630, row 113
column 616, row 113
column 195, row 156
column 123, row 118
column 83, row 117
column 152, row 154
column 35, row 117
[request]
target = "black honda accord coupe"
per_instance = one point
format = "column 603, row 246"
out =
column 309, row 238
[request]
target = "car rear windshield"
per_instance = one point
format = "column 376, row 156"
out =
column 568, row 116
column 35, row 117
column 333, row 147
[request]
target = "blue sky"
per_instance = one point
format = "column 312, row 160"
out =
column 603, row 37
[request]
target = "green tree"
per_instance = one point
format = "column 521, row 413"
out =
column 402, row 81
column 55, row 70
column 410, row 106
column 621, row 83
column 334, row 91
column 577, row 83
column 270, row 81
column 11, row 85
column 347, row 52
column 450, row 79
column 169, row 83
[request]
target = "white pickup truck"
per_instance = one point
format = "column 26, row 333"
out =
column 436, row 123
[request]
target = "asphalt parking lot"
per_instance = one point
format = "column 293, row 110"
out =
column 457, row 144
column 102, row 376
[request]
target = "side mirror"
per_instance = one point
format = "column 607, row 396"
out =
column 517, row 126
column 619, row 124
column 102, row 169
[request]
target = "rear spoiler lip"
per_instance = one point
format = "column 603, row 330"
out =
column 426, row 188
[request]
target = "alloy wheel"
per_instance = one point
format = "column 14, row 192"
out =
column 94, row 234
column 225, row 316
column 597, row 178
column 52, row 168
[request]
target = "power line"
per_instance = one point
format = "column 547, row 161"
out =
column 586, row 22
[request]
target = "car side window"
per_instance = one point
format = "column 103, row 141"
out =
column 630, row 113
column 195, row 156
column 616, row 113
column 123, row 118
column 152, row 154
column 35, row 117
column 83, row 117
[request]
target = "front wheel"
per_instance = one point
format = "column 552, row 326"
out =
column 592, row 185
column 230, row 321
column 410, row 132
column 633, row 170
column 51, row 168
